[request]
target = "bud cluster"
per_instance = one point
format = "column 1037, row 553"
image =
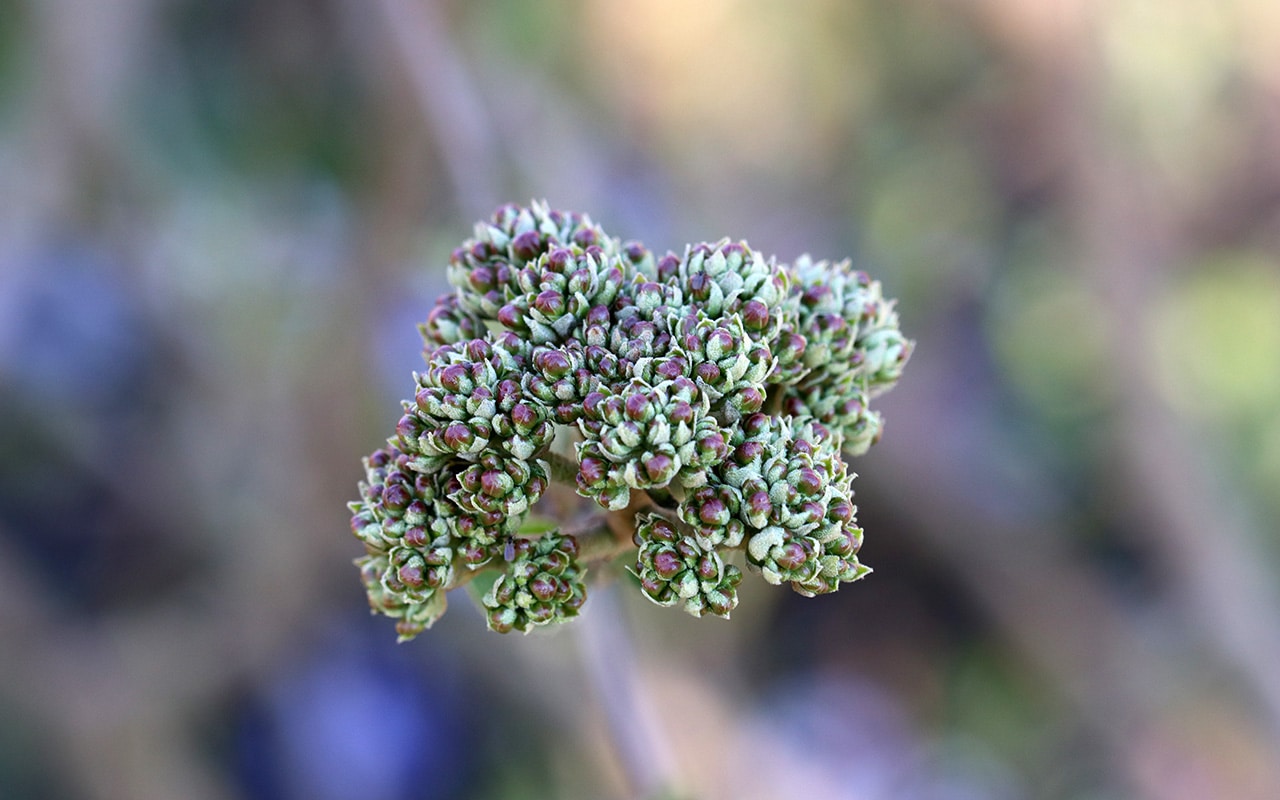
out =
column 709, row 398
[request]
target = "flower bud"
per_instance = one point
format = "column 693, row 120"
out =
column 673, row 568
column 541, row 585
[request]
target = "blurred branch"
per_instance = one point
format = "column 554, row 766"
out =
column 1194, row 525
column 609, row 660
column 448, row 100
column 1013, row 561
column 1131, row 231
column 1192, row 521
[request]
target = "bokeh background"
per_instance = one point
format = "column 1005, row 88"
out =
column 221, row 220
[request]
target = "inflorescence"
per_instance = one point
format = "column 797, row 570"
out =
column 703, row 400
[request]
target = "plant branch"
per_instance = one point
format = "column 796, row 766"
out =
column 563, row 470
column 633, row 731
column 597, row 543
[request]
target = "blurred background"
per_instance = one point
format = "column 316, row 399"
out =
column 221, row 221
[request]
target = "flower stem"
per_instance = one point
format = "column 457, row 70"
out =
column 598, row 542
column 563, row 470
column 609, row 658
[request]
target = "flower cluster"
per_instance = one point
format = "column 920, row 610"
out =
column 704, row 401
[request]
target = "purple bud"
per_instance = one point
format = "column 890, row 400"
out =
column 555, row 562
column 671, row 368
column 550, row 303
column 638, row 407
column 668, row 265
column 712, row 448
column 410, row 575
column 713, row 512
column 591, row 471
column 667, row 565
column 759, row 504
column 659, row 467
column 543, row 587
column 809, row 482
column 851, row 407
column 755, row 425
column 470, row 480
column 457, row 436
column 699, row 286
column 813, row 294
column 598, row 315
column 535, row 487
column 396, row 496
column 558, row 259
column 592, row 404
column 709, row 372
column 553, row 363
column 790, row 556
column 524, row 417
column 481, row 279
column 527, row 245
column 502, row 620
column 755, row 315
column 748, row 452
column 541, row 613
column 840, row 510
column 475, row 554
column 510, row 316
column 654, row 587
column 567, row 413
column 453, row 376
column 361, row 521
column 408, row 428
column 479, row 350
column 719, row 604
column 496, row 484
column 813, row 511
column 661, row 530
column 684, row 387
column 841, row 545
column 423, row 398
column 648, row 295
column 508, row 391
column 749, row 399
column 417, row 509
column 681, row 412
